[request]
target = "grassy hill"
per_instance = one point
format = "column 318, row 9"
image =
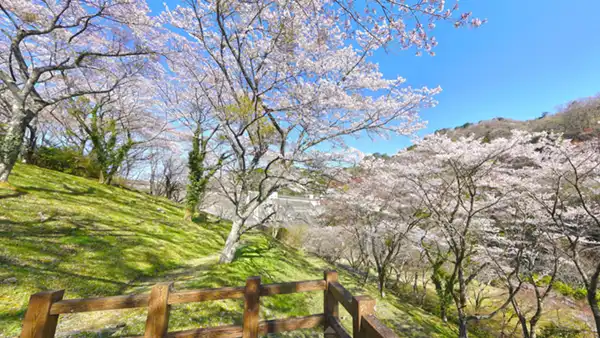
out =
column 59, row 231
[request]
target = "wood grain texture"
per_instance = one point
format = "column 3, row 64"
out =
column 192, row 296
column 100, row 304
column 157, row 322
column 338, row 328
column 229, row 331
column 374, row 328
column 180, row 297
column 330, row 304
column 251, row 307
column 363, row 306
column 343, row 296
column 292, row 287
column 38, row 321
column 264, row 327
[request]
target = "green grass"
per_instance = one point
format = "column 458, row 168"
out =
column 64, row 232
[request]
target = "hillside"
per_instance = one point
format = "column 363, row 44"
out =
column 578, row 120
column 59, row 231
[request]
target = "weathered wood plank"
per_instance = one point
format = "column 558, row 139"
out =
column 264, row 327
column 189, row 296
column 330, row 305
column 229, row 331
column 337, row 326
column 203, row 295
column 39, row 322
column 343, row 296
column 291, row 324
column 157, row 322
column 374, row 328
column 100, row 304
column 292, row 287
column 363, row 306
column 251, row 307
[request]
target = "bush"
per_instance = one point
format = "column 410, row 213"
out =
column 293, row 236
column 67, row 160
column 569, row 291
column 556, row 331
column 580, row 293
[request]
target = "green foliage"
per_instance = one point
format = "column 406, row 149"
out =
column 111, row 144
column 464, row 126
column 199, row 173
column 570, row 291
column 412, row 147
column 552, row 330
column 293, row 236
column 67, row 160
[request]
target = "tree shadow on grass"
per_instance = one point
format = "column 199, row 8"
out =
column 19, row 193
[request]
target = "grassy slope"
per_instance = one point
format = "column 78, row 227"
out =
column 64, row 232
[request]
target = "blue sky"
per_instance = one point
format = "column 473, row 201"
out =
column 530, row 57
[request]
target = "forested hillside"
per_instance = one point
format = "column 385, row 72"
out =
column 578, row 120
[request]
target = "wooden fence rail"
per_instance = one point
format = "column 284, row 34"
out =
column 45, row 308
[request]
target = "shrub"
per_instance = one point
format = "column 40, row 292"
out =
column 293, row 236
column 67, row 160
column 556, row 331
column 580, row 293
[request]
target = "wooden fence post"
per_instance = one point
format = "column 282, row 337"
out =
column 363, row 306
column 251, row 307
column 38, row 323
column 157, row 322
column 330, row 305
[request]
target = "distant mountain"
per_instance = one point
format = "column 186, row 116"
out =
column 578, row 120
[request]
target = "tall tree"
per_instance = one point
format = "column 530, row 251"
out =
column 464, row 184
column 59, row 50
column 377, row 215
column 564, row 181
column 116, row 125
column 287, row 77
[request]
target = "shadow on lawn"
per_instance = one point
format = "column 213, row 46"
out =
column 86, row 260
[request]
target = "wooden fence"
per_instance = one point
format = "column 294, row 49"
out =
column 44, row 309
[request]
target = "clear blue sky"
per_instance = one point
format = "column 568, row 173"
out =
column 530, row 57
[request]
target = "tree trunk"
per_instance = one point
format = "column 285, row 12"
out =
column 443, row 312
column 31, row 143
column 188, row 214
column 381, row 277
column 462, row 328
column 591, row 298
column 381, row 285
column 415, row 283
column 12, row 141
column 366, row 279
column 231, row 243
column 462, row 304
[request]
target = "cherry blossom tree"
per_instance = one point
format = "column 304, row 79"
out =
column 286, row 78
column 564, row 181
column 378, row 215
column 463, row 185
column 183, row 97
column 60, row 50
column 526, row 245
